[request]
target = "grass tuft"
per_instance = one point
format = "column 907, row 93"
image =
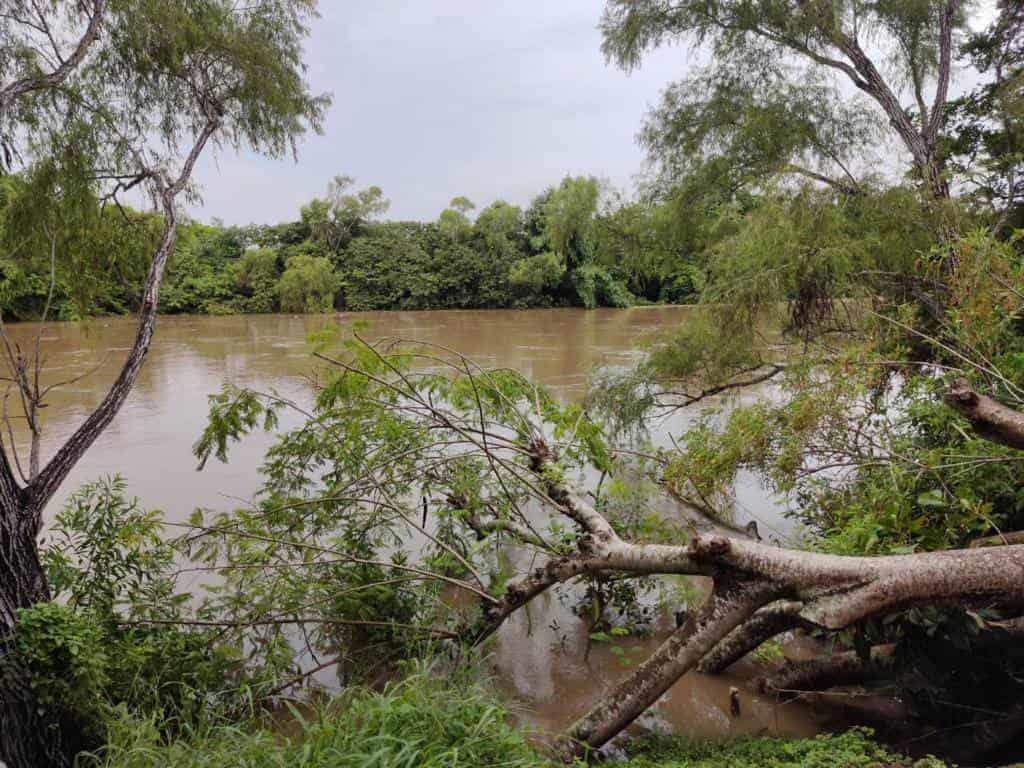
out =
column 418, row 723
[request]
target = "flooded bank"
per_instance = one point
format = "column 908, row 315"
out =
column 545, row 659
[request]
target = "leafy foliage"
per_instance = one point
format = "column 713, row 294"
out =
column 307, row 285
column 568, row 250
column 852, row 749
column 113, row 643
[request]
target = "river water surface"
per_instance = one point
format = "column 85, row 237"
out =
column 541, row 657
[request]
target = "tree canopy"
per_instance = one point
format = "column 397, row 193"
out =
column 770, row 58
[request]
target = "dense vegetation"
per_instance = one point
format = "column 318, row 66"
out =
column 887, row 310
column 578, row 244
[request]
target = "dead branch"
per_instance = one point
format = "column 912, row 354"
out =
column 837, row 669
column 990, row 418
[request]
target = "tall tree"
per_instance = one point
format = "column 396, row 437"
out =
column 99, row 97
column 570, row 212
column 454, row 221
column 336, row 219
column 770, row 58
column 987, row 125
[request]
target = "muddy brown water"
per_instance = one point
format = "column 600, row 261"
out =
column 542, row 659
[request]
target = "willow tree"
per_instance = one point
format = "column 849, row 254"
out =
column 768, row 99
column 98, row 98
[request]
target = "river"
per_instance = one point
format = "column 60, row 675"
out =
column 540, row 659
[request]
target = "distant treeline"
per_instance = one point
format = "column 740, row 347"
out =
column 577, row 244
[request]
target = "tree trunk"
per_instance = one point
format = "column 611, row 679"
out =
column 730, row 604
column 934, row 177
column 770, row 621
column 25, row 741
column 837, row 669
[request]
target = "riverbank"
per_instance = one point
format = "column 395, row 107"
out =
column 423, row 723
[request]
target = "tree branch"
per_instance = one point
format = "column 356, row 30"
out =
column 840, row 186
column 45, row 484
column 770, row 621
column 17, row 88
column 942, row 77
column 846, row 668
column 730, row 604
column 990, row 418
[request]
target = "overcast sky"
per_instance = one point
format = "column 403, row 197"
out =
column 438, row 98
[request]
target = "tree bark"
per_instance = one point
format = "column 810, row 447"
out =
column 24, row 740
column 990, row 418
column 768, row 622
column 846, row 668
column 731, row 603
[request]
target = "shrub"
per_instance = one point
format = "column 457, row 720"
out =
column 61, row 654
column 110, row 565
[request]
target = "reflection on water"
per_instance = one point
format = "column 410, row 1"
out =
column 541, row 657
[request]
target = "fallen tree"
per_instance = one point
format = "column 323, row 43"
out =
column 456, row 453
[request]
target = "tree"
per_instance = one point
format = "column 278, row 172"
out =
column 471, row 450
column 569, row 215
column 500, row 225
column 308, row 284
column 721, row 130
column 986, row 132
column 752, row 45
column 379, row 269
column 336, row 219
column 537, row 276
column 131, row 102
column 454, row 220
column 256, row 277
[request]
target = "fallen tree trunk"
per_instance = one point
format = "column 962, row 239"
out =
column 731, row 603
column 990, row 418
column 759, row 590
column 769, row 622
column 837, row 669
column 827, row 591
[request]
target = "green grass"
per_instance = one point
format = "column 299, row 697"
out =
column 424, row 722
column 852, row 749
column 419, row 723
